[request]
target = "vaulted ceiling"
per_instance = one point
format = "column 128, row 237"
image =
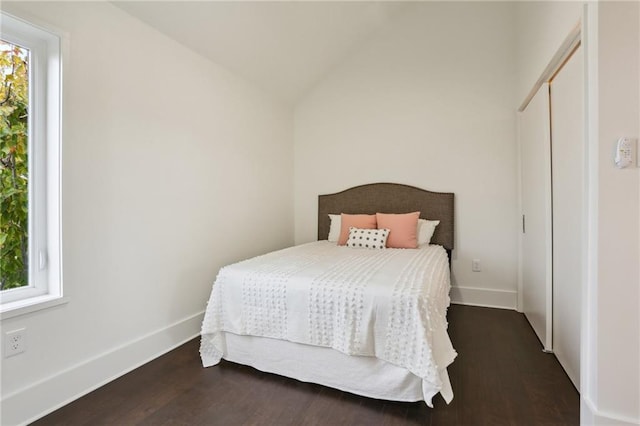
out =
column 283, row 47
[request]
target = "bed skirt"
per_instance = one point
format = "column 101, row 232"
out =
column 360, row 375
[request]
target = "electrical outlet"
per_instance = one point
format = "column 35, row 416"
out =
column 15, row 342
column 475, row 265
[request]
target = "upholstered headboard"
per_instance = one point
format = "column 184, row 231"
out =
column 390, row 198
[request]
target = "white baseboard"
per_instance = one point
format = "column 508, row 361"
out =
column 590, row 415
column 41, row 398
column 486, row 297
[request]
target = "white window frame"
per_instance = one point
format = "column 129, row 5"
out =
column 45, row 143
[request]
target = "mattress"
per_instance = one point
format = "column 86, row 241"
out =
column 389, row 305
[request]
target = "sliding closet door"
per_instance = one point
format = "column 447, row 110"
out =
column 568, row 196
column 536, row 210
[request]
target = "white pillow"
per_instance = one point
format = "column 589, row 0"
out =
column 426, row 228
column 367, row 238
column 334, row 229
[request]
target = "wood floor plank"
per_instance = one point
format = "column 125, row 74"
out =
column 324, row 402
column 364, row 411
column 500, row 377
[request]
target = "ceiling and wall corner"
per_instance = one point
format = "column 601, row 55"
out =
column 283, row 47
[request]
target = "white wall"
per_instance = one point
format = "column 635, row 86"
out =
column 610, row 358
column 616, row 366
column 428, row 102
column 166, row 158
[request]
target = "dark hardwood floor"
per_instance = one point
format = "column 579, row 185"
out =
column 501, row 377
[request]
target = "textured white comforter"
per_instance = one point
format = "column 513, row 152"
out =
column 390, row 304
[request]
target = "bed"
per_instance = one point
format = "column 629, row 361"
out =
column 369, row 322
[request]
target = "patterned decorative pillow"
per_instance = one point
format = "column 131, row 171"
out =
column 362, row 221
column 367, row 238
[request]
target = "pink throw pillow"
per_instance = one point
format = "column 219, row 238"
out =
column 362, row 221
column 404, row 229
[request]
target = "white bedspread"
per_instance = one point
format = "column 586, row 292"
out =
column 390, row 304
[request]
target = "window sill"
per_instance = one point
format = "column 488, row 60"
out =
column 27, row 306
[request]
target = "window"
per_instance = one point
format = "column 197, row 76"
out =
column 30, row 111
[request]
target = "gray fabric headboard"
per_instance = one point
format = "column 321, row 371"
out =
column 390, row 198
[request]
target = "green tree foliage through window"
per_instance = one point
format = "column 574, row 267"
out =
column 14, row 199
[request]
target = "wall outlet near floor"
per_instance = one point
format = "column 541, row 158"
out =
column 15, row 342
column 475, row 265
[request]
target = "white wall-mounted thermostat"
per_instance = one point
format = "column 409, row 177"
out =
column 626, row 150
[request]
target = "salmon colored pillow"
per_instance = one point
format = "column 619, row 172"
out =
column 361, row 221
column 404, row 229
